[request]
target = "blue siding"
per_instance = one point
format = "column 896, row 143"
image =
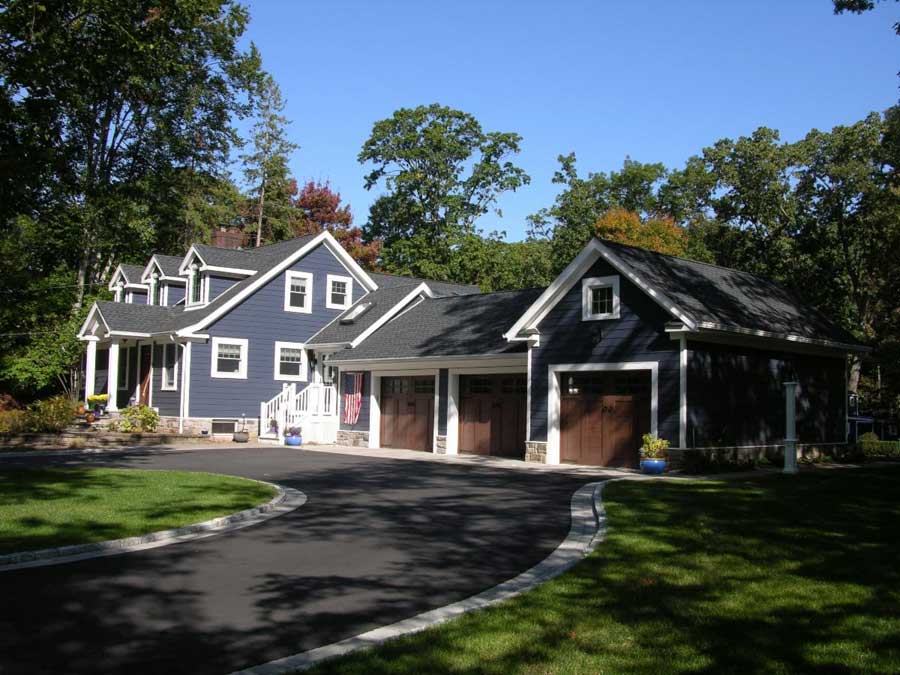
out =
column 167, row 402
column 736, row 396
column 176, row 293
column 218, row 285
column 261, row 319
column 637, row 335
column 362, row 424
column 443, row 396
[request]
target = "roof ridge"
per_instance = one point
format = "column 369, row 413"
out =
column 481, row 295
column 689, row 260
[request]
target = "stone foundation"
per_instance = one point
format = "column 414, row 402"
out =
column 536, row 451
column 440, row 445
column 202, row 426
column 353, row 439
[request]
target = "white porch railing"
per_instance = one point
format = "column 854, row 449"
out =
column 312, row 409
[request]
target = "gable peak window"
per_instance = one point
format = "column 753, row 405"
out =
column 340, row 292
column 298, row 292
column 600, row 298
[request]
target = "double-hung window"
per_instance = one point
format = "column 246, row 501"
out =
column 298, row 292
column 229, row 358
column 170, row 367
column 290, row 361
column 340, row 292
column 600, row 298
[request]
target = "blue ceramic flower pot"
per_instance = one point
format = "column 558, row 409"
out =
column 653, row 466
column 292, row 440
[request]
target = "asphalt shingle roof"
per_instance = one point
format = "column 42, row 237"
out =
column 132, row 273
column 123, row 316
column 382, row 299
column 732, row 299
column 169, row 264
column 439, row 287
column 448, row 326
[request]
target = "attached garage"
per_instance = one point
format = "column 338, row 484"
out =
column 603, row 416
column 407, row 413
column 492, row 414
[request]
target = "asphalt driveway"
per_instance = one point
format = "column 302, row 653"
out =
column 379, row 540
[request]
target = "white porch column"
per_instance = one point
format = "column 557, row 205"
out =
column 90, row 368
column 112, row 380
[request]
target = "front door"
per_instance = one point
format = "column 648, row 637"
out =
column 146, row 361
column 407, row 412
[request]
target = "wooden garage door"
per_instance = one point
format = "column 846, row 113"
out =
column 407, row 412
column 602, row 417
column 492, row 414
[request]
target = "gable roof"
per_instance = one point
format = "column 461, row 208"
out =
column 169, row 265
column 465, row 325
column 700, row 295
column 438, row 287
column 127, row 318
column 130, row 273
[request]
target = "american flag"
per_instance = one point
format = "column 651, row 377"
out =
column 353, row 384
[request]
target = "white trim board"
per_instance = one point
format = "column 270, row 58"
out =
column 289, row 276
column 241, row 373
column 553, row 396
column 348, row 291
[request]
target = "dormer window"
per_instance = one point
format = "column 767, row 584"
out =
column 340, row 292
column 195, row 286
column 600, row 298
column 154, row 289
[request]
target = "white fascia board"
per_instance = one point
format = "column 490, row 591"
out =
column 462, row 361
column 262, row 279
column 113, row 279
column 526, row 325
column 328, row 346
column 419, row 291
column 227, row 271
column 346, row 260
column 127, row 333
column 183, row 268
column 799, row 339
column 93, row 314
column 148, row 270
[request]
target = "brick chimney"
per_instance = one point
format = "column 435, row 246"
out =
column 228, row 237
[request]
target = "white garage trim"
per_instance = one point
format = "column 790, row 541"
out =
column 553, row 396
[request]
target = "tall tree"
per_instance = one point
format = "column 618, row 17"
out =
column 441, row 172
column 569, row 223
column 656, row 233
column 266, row 167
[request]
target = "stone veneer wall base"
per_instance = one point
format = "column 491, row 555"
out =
column 536, row 451
column 353, row 439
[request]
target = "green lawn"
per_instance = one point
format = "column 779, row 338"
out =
column 774, row 574
column 53, row 507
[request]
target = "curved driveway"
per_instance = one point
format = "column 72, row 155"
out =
column 379, row 540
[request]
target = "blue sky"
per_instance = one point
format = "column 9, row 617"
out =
column 654, row 80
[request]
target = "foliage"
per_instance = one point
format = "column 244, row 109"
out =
column 858, row 7
column 659, row 234
column 266, row 167
column 569, row 223
column 14, row 421
column 7, row 402
column 654, row 448
column 98, row 398
column 46, row 507
column 872, row 448
column 293, row 431
column 493, row 264
column 319, row 208
column 441, row 172
column 696, row 576
column 50, row 415
column 138, row 418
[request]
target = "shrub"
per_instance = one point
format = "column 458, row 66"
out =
column 7, row 402
column 654, row 448
column 138, row 418
column 13, row 421
column 871, row 447
column 50, row 415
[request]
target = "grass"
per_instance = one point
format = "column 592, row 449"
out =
column 776, row 574
column 41, row 508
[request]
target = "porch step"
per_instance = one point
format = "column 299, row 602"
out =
column 268, row 439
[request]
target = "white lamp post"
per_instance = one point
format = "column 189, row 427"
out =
column 790, row 418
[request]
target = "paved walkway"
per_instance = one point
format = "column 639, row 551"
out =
column 380, row 539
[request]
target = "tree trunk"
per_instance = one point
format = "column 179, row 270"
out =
column 81, row 278
column 259, row 218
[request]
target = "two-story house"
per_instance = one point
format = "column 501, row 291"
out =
column 624, row 341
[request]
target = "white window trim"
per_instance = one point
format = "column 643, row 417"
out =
column 589, row 284
column 349, row 296
column 204, row 290
column 163, row 369
column 241, row 374
column 304, row 363
column 289, row 276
